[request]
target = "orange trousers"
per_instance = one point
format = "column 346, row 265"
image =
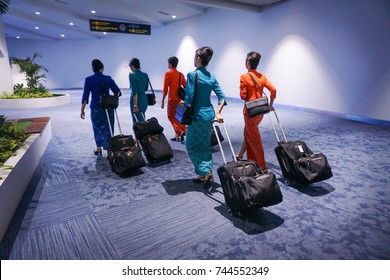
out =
column 177, row 126
column 252, row 138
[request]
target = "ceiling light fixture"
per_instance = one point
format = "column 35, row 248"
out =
column 71, row 23
column 173, row 16
column 93, row 12
column 62, row 35
column 17, row 37
column 37, row 13
column 36, row 27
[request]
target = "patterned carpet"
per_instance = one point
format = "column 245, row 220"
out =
column 76, row 208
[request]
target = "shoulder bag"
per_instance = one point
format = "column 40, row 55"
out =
column 258, row 106
column 185, row 114
column 108, row 101
column 181, row 90
column 151, row 97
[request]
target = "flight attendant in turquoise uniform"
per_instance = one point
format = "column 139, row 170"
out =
column 138, row 86
column 199, row 131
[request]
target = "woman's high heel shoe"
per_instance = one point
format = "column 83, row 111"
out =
column 182, row 137
column 207, row 181
column 176, row 138
column 97, row 152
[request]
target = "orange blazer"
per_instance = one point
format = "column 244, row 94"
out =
column 171, row 81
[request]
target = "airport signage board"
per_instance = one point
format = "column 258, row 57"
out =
column 119, row 27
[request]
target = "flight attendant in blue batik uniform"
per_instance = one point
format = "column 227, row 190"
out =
column 199, row 132
column 138, row 85
column 94, row 85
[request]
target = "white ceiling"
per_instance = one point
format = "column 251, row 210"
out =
column 56, row 15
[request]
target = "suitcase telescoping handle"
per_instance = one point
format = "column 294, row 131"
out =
column 219, row 142
column 135, row 116
column 280, row 127
column 109, row 123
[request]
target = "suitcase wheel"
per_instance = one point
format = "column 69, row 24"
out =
column 287, row 182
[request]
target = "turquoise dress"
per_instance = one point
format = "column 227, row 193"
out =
column 199, row 132
column 138, row 85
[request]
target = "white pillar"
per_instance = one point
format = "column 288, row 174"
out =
column 5, row 69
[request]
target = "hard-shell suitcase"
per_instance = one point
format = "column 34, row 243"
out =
column 297, row 162
column 153, row 141
column 244, row 185
column 123, row 152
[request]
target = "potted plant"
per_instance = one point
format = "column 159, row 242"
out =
column 32, row 72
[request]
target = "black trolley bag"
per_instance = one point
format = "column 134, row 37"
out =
column 244, row 185
column 123, row 152
column 297, row 162
column 153, row 141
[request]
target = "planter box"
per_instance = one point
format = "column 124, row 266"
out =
column 13, row 182
column 35, row 102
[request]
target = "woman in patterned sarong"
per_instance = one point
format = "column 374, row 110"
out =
column 199, row 131
column 95, row 85
column 249, row 91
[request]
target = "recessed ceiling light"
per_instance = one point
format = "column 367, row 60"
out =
column 37, row 13
column 71, row 23
column 17, row 37
column 105, row 33
column 173, row 16
column 36, row 27
column 93, row 12
column 62, row 35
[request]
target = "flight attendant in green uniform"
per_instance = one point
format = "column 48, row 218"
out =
column 138, row 86
column 199, row 131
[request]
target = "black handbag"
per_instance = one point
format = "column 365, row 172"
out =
column 181, row 90
column 184, row 114
column 151, row 97
column 108, row 101
column 258, row 106
column 213, row 138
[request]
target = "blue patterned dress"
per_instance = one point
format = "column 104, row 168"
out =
column 199, row 132
column 93, row 86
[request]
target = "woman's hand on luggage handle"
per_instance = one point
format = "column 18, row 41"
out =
column 219, row 118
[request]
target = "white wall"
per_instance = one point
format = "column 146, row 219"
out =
column 5, row 73
column 324, row 55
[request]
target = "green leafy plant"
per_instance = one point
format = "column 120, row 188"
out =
column 31, row 70
column 12, row 138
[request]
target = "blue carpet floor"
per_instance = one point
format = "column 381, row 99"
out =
column 76, row 208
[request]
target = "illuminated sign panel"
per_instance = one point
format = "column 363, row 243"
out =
column 119, row 27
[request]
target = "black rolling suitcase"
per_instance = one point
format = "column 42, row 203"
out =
column 244, row 185
column 123, row 152
column 297, row 162
column 153, row 141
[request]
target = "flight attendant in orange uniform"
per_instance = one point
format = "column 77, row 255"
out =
column 172, row 80
column 249, row 91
